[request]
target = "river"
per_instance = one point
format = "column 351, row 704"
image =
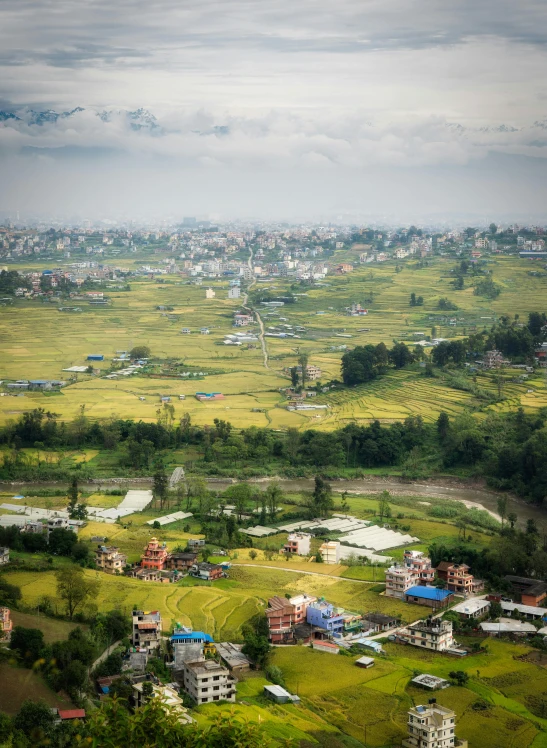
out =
column 470, row 496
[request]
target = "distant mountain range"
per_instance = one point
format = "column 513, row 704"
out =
column 138, row 120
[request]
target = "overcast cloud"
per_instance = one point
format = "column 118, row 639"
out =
column 245, row 94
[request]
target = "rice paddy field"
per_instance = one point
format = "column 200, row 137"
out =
column 38, row 341
column 342, row 705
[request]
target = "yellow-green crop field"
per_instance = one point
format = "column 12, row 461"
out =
column 38, row 341
column 369, row 706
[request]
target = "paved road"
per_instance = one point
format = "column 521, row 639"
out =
column 105, row 654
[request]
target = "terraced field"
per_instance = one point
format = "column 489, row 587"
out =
column 38, row 342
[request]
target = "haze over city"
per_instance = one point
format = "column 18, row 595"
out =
column 295, row 111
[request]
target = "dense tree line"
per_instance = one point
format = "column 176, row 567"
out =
column 366, row 362
column 510, row 449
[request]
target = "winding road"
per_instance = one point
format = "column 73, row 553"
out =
column 250, row 309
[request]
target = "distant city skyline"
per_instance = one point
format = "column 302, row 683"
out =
column 289, row 110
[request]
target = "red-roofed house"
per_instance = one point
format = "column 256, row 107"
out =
column 65, row 714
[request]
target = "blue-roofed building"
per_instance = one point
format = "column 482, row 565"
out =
column 187, row 636
column 433, row 597
column 190, row 646
column 323, row 615
column 95, row 357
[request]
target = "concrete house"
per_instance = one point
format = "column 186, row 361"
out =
column 208, row 681
column 146, row 630
column 458, row 579
column 4, row 556
column 432, row 726
column 432, row 634
column 109, row 559
column 323, row 615
column 298, row 543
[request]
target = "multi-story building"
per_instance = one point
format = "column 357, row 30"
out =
column 181, row 561
column 284, row 614
column 420, row 564
column 6, row 625
column 415, row 570
column 207, row 681
column 399, row 579
column 432, row 726
column 330, row 551
column 432, row 634
column 4, row 556
column 155, row 555
column 323, row 615
column 298, row 543
column 109, row 559
column 146, row 630
column 458, row 579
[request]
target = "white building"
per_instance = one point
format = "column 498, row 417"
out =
column 210, row 294
column 330, row 552
column 432, row 634
column 207, row 681
column 298, row 543
column 234, row 292
column 432, row 726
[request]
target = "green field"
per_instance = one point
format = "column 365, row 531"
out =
column 39, row 341
column 52, row 629
column 25, row 684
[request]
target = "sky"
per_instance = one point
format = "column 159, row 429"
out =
column 288, row 109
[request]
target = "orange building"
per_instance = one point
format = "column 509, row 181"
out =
column 155, row 555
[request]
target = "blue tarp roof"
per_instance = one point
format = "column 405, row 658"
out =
column 428, row 593
column 190, row 636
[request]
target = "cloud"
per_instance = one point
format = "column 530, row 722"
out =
column 277, row 140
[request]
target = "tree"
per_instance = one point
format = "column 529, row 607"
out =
column 274, row 495
column 29, row 643
column 412, row 299
column 384, row 509
column 257, row 648
column 10, row 594
column 303, row 363
column 512, row 519
column 61, row 541
column 160, row 483
column 35, row 719
column 502, row 508
column 294, row 377
column 493, row 228
column 400, row 355
column 155, row 725
column 72, row 496
column 443, row 425
column 140, row 351
column 459, row 676
column 74, row 588
column 322, row 497
column 252, row 554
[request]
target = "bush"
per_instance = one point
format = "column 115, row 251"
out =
column 274, row 674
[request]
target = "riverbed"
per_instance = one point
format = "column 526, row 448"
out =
column 471, row 496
